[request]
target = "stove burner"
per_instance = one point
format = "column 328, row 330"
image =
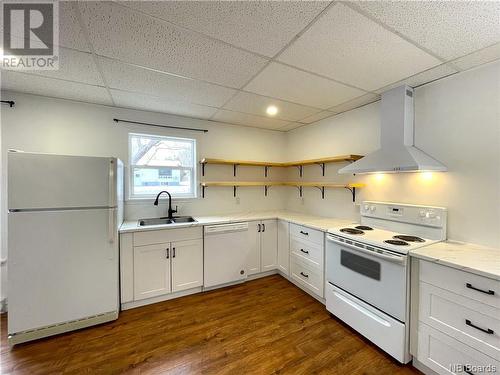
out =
column 409, row 238
column 363, row 227
column 397, row 242
column 352, row 231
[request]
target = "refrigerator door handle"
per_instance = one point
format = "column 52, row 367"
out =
column 112, row 225
column 112, row 184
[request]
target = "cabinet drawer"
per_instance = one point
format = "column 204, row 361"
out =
column 306, row 276
column 310, row 252
column 167, row 235
column 308, row 234
column 463, row 283
column 446, row 355
column 462, row 318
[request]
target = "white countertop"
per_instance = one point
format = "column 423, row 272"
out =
column 481, row 260
column 314, row 222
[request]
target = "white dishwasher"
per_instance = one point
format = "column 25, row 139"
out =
column 226, row 250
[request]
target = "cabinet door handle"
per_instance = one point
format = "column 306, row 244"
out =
column 168, row 253
column 490, row 292
column 173, row 252
column 304, row 233
column 303, row 274
column 263, row 227
column 485, row 330
column 258, row 230
column 304, row 251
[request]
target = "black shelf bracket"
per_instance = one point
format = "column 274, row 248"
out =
column 353, row 192
column 203, row 191
column 234, row 191
column 322, row 166
column 266, row 170
column 300, row 170
column 11, row 103
column 300, row 190
column 203, row 169
column 265, row 190
column 234, row 169
column 322, row 189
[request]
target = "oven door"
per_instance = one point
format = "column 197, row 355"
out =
column 377, row 278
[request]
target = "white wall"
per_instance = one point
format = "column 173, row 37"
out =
column 457, row 121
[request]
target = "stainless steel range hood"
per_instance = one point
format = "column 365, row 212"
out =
column 398, row 152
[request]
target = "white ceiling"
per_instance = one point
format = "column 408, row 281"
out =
column 228, row 60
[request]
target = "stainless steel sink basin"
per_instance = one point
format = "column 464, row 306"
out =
column 166, row 221
column 183, row 219
column 155, row 221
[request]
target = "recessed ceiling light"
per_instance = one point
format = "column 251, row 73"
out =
column 272, row 110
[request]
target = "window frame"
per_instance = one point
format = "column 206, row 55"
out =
column 131, row 167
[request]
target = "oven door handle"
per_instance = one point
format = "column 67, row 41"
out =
column 399, row 259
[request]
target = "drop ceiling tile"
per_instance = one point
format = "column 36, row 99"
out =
column 257, row 105
column 133, row 78
column 71, row 34
column 421, row 78
column 122, row 33
column 262, row 27
column 351, row 48
column 151, row 103
column 477, row 58
column 57, row 88
column 448, row 28
column 246, row 119
column 317, row 116
column 281, row 81
column 355, row 103
column 73, row 66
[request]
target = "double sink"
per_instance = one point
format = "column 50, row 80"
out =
column 166, row 221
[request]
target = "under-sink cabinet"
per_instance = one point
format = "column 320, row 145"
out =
column 263, row 241
column 158, row 263
column 458, row 322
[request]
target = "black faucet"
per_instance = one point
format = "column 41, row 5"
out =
column 170, row 210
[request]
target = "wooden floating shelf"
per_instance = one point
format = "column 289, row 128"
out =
column 319, row 185
column 300, row 163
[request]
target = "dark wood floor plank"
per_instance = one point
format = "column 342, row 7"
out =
column 265, row 326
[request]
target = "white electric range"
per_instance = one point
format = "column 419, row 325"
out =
column 367, row 269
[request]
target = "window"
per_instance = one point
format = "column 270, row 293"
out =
column 162, row 163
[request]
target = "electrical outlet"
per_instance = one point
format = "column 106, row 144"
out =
column 237, row 200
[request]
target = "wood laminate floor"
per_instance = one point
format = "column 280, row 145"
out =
column 265, row 326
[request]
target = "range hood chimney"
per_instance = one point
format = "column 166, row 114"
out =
column 397, row 152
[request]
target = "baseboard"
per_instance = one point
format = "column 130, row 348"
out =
column 165, row 297
column 423, row 368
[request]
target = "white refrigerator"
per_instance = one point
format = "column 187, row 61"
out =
column 63, row 220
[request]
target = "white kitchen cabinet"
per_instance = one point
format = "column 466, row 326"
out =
column 151, row 271
column 284, row 247
column 187, row 264
column 263, row 241
column 456, row 319
column 269, row 245
column 150, row 268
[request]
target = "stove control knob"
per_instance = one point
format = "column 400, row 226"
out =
column 422, row 213
column 430, row 215
column 373, row 208
column 366, row 207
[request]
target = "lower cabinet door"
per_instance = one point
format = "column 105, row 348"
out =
column 187, row 264
column 269, row 245
column 151, row 271
column 253, row 262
